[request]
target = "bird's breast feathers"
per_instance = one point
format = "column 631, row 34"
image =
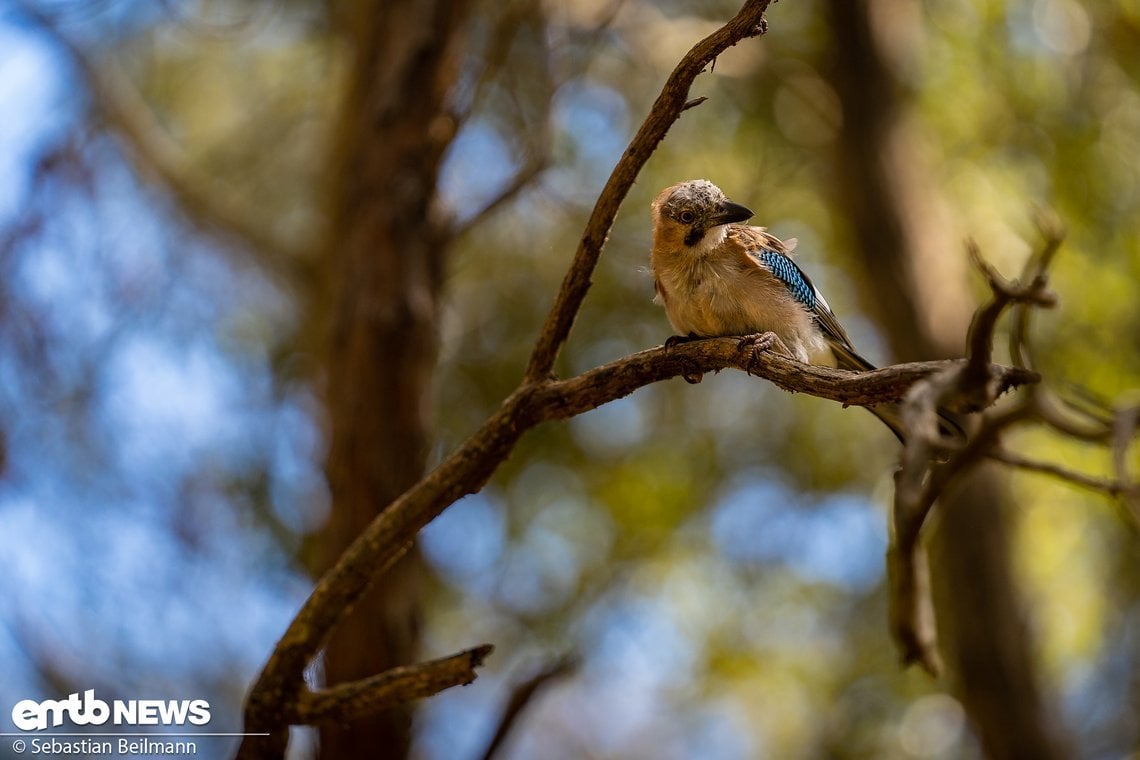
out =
column 724, row 289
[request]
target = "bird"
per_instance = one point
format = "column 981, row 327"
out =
column 717, row 276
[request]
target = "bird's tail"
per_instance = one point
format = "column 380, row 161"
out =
column 949, row 424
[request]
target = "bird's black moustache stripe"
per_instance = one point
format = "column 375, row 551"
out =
column 694, row 236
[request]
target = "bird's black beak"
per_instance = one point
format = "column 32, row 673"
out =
column 729, row 212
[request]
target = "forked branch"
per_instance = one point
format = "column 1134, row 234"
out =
column 923, row 476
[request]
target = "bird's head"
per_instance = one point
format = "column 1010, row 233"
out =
column 684, row 213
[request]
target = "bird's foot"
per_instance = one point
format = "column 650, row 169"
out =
column 675, row 340
column 759, row 343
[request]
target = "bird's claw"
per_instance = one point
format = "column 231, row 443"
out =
column 676, row 340
column 759, row 343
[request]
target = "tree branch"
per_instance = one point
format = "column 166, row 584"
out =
column 1110, row 486
column 1070, row 420
column 368, row 696
column 273, row 697
column 536, row 164
column 749, row 22
column 537, row 151
column 523, row 695
column 1004, row 294
column 561, row 399
column 918, row 485
column 469, row 467
column 927, row 469
column 1036, row 268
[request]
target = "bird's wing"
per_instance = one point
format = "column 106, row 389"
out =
column 768, row 251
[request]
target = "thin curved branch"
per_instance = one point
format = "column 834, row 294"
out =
column 1036, row 267
column 910, row 607
column 1110, row 486
column 538, row 137
column 523, row 695
column 1004, row 294
column 1071, row 420
column 749, row 22
column 538, row 162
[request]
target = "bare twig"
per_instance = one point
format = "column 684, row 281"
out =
column 1034, row 272
column 537, row 148
column 537, row 163
column 917, row 487
column 920, row 479
column 1088, row 405
column 911, row 611
column 523, row 695
column 981, row 335
column 1112, row 487
column 1072, row 420
column 397, row 686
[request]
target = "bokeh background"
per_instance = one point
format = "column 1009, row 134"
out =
column 711, row 554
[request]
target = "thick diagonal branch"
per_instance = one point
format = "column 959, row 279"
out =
column 467, row 469
column 274, row 696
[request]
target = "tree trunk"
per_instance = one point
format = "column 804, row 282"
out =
column 914, row 273
column 385, row 252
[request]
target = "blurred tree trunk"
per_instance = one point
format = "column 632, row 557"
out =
column 384, row 257
column 914, row 274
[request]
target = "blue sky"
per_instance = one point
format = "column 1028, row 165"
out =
column 129, row 563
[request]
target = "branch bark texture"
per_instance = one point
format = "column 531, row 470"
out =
column 390, row 689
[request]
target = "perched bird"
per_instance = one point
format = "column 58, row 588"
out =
column 718, row 277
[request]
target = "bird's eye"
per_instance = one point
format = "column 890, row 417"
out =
column 687, row 217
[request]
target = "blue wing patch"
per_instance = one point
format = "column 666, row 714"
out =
column 788, row 273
